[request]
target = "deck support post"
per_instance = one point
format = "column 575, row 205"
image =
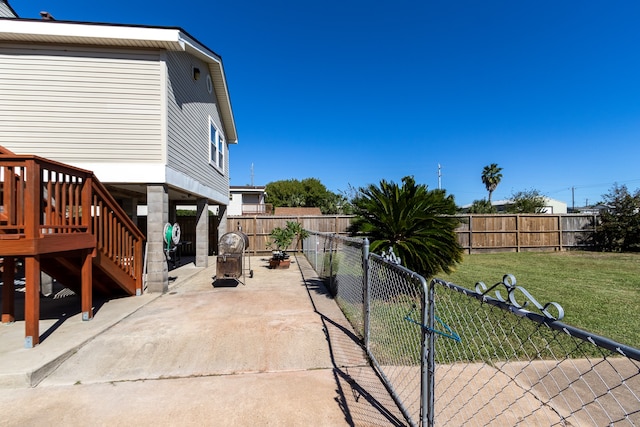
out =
column 32, row 301
column 8, row 290
column 86, row 291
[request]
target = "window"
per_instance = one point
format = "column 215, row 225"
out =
column 216, row 146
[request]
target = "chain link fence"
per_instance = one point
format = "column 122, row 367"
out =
column 454, row 356
column 340, row 262
column 387, row 313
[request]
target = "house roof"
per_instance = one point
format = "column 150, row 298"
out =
column 297, row 211
column 246, row 189
column 100, row 34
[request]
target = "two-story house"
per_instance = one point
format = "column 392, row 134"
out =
column 147, row 109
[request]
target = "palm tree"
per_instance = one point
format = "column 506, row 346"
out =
column 491, row 177
column 412, row 220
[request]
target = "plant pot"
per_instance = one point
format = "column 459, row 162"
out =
column 279, row 263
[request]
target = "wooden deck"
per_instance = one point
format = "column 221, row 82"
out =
column 62, row 221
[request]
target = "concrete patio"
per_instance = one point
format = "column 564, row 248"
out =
column 275, row 350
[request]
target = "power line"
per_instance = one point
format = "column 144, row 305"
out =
column 579, row 187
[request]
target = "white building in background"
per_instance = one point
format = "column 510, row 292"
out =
column 247, row 200
column 551, row 206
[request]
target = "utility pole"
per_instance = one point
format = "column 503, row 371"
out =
column 573, row 199
column 252, row 174
column 439, row 177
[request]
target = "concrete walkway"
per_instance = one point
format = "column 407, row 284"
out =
column 273, row 351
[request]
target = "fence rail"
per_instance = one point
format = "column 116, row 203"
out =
column 489, row 356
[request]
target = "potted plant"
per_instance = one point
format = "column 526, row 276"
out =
column 281, row 239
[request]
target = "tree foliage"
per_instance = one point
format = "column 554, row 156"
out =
column 481, row 206
column 412, row 220
column 619, row 229
column 281, row 238
column 309, row 192
column 527, row 201
column 491, row 177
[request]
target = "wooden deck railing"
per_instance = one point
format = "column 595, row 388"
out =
column 47, row 207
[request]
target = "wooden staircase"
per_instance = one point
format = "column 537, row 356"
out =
column 62, row 220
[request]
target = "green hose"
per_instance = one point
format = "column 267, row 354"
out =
column 168, row 235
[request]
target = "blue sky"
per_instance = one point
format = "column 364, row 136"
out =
column 352, row 92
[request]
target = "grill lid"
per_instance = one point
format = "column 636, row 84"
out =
column 234, row 242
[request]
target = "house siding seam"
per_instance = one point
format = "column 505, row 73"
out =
column 72, row 104
column 189, row 106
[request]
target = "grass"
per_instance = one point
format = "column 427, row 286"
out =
column 600, row 292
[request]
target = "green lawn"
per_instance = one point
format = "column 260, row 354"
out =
column 600, row 292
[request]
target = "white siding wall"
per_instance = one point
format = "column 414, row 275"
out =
column 189, row 108
column 81, row 105
column 235, row 204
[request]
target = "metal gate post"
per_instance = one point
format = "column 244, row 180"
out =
column 365, row 291
column 315, row 264
column 331, row 284
column 428, row 358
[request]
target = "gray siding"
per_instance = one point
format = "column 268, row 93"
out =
column 5, row 11
column 189, row 105
column 81, row 104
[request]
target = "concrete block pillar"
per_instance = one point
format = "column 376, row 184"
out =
column 173, row 212
column 221, row 223
column 222, row 217
column 157, row 217
column 202, row 233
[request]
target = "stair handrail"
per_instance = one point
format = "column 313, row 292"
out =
column 127, row 255
column 101, row 190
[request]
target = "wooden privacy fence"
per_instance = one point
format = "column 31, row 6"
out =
column 520, row 233
column 476, row 233
column 258, row 228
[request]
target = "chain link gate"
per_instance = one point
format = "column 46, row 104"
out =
column 396, row 298
column 515, row 367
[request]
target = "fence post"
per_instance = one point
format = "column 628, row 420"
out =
column 365, row 291
column 331, row 283
column 560, row 228
column 427, row 404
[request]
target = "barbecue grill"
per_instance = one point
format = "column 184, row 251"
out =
column 232, row 251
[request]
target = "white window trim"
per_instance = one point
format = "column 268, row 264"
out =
column 216, row 143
